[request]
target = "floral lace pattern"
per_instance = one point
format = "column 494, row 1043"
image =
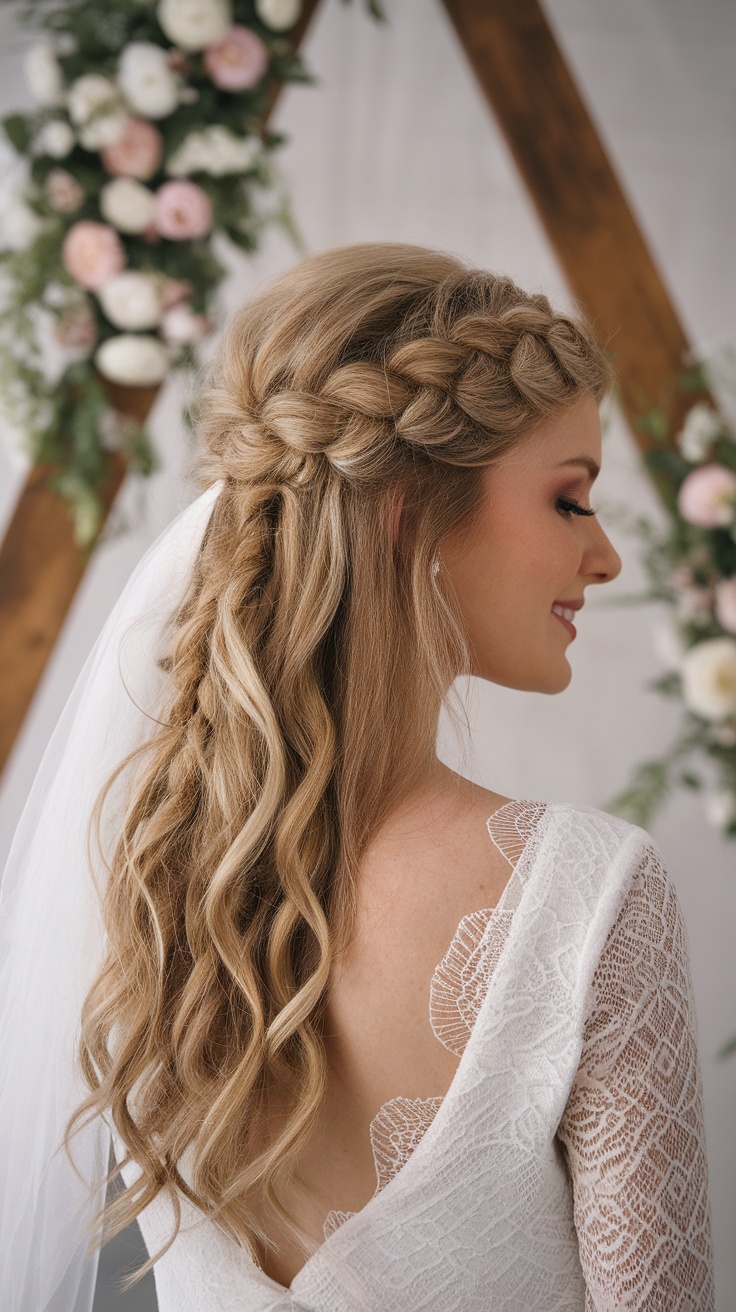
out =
column 641, row 1211
column 565, row 1168
column 459, row 984
column 632, row 1129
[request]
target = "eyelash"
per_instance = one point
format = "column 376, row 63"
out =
column 572, row 507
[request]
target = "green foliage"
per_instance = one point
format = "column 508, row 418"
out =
column 17, row 129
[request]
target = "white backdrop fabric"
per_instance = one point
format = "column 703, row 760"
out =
column 396, row 143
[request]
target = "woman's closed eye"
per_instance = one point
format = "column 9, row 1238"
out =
column 567, row 507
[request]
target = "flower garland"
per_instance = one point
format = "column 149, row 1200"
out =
column 147, row 141
column 691, row 563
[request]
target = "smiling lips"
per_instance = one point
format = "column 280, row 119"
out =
column 565, row 616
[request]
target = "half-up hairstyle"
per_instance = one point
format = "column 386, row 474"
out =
column 308, row 663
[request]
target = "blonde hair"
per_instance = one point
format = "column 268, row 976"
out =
column 308, row 664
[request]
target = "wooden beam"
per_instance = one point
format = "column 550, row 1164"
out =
column 578, row 197
column 41, row 565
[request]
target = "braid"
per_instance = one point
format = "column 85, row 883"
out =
column 456, row 396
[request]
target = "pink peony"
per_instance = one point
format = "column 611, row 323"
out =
column 706, row 496
column 175, row 291
column 64, row 192
column 238, row 61
column 92, row 253
column 138, row 151
column 183, row 211
column 726, row 604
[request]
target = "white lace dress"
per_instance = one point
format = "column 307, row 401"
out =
column 565, row 1170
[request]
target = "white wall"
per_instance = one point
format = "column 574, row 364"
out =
column 396, row 143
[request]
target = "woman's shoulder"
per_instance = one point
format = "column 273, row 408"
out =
column 613, row 865
column 584, row 819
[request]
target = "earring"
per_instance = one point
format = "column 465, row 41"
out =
column 435, row 565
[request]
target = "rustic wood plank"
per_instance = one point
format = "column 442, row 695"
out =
column 40, row 564
column 580, row 201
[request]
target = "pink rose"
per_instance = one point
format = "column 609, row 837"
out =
column 137, row 152
column 175, row 291
column 706, row 496
column 238, row 61
column 92, row 253
column 726, row 604
column 183, row 211
column 64, row 192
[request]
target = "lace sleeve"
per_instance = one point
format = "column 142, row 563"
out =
column 632, row 1131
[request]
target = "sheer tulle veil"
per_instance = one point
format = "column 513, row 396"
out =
column 51, row 939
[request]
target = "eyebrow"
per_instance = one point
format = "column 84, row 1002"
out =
column 592, row 468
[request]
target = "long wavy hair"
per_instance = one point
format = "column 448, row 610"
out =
column 308, row 663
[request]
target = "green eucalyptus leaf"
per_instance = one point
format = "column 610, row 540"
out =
column 18, row 131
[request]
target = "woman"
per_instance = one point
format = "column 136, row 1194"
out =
column 406, row 1042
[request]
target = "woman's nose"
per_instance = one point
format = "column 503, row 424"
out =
column 603, row 559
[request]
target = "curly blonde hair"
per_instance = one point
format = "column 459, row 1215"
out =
column 308, row 663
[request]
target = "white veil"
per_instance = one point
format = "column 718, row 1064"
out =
column 51, row 940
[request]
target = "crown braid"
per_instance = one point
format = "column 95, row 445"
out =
column 452, row 386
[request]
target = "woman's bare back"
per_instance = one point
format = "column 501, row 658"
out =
column 430, row 864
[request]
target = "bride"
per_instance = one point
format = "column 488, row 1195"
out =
column 361, row 1034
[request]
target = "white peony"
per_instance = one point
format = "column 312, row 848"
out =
column 132, row 300
column 215, row 150
column 194, row 24
column 19, row 225
column 708, row 672
column 701, row 426
column 88, row 93
column 43, row 74
column 55, row 139
column 127, row 205
column 720, row 807
column 102, row 131
column 149, row 85
column 133, row 361
column 279, row 15
column 95, row 107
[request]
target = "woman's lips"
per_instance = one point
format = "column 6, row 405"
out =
column 568, row 625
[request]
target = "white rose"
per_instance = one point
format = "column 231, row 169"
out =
column 132, row 300
column 278, row 14
column 55, row 139
column 88, row 94
column 20, row 225
column 215, row 150
column 720, row 807
column 88, row 97
column 709, row 678
column 127, row 205
column 701, row 426
column 194, row 24
column 133, row 361
column 148, row 83
column 102, row 131
column 43, row 74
